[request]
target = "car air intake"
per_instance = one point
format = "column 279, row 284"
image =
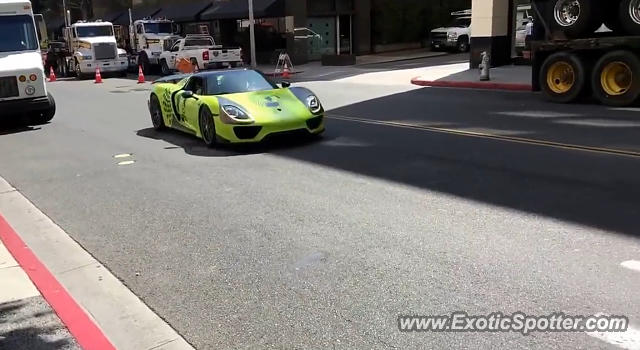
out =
column 246, row 132
column 9, row 87
column 105, row 51
column 314, row 123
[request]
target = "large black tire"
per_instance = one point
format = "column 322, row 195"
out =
column 613, row 82
column 563, row 77
column 575, row 18
column 463, row 44
column 76, row 68
column 156, row 113
column 629, row 16
column 207, row 127
column 45, row 116
column 164, row 68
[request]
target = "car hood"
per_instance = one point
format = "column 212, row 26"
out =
column 269, row 105
column 22, row 61
column 440, row 30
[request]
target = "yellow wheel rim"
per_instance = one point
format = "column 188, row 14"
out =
column 616, row 78
column 561, row 77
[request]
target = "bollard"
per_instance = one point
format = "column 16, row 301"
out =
column 485, row 67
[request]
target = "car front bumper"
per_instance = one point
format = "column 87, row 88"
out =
column 443, row 44
column 25, row 106
column 105, row 66
column 258, row 132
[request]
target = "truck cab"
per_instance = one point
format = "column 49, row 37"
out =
column 454, row 36
column 149, row 38
column 94, row 46
column 22, row 78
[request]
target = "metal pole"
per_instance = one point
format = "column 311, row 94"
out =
column 64, row 11
column 252, row 35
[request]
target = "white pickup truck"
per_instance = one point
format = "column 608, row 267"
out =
column 202, row 52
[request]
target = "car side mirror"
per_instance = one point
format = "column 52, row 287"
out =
column 186, row 94
column 285, row 84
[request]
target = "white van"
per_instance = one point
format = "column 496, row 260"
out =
column 22, row 78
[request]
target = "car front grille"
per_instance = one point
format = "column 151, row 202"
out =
column 438, row 35
column 9, row 87
column 105, row 51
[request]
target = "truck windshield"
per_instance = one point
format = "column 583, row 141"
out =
column 18, row 34
column 461, row 23
column 158, row 28
column 198, row 42
column 90, row 32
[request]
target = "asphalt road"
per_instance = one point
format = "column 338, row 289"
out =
column 323, row 244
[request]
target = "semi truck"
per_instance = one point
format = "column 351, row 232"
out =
column 22, row 78
column 573, row 60
column 88, row 45
column 148, row 39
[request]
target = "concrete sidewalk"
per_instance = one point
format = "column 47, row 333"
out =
column 26, row 319
column 515, row 78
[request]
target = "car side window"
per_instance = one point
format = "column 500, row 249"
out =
column 195, row 85
column 140, row 29
column 176, row 47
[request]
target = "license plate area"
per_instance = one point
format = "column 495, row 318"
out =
column 9, row 87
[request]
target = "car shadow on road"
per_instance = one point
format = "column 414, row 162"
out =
column 196, row 147
column 16, row 126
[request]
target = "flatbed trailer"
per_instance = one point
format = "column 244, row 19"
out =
column 601, row 65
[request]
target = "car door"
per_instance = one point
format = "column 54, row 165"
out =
column 187, row 105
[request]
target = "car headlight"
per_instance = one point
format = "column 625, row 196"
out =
column 122, row 55
column 236, row 115
column 452, row 36
column 86, row 58
column 314, row 104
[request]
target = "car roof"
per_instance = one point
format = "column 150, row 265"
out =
column 218, row 72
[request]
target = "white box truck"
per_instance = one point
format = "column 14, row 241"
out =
column 22, row 79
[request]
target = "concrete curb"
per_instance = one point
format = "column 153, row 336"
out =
column 431, row 55
column 75, row 277
column 473, row 85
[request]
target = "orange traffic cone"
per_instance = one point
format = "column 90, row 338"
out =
column 140, row 75
column 285, row 71
column 52, row 75
column 98, row 76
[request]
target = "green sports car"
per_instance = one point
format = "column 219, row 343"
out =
column 236, row 106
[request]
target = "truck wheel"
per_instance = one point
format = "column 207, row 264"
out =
column 574, row 17
column 79, row 74
column 629, row 16
column 613, row 82
column 45, row 116
column 164, row 68
column 562, row 77
column 463, row 44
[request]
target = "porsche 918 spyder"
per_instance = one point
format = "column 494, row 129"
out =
column 235, row 106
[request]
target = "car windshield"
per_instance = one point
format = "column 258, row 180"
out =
column 93, row 31
column 237, row 81
column 18, row 34
column 461, row 22
column 158, row 28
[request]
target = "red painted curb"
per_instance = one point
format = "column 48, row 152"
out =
column 83, row 329
column 473, row 85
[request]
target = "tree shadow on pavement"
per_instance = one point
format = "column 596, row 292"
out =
column 585, row 187
column 195, row 146
column 24, row 326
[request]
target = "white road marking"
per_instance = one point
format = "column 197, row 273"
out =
column 127, row 162
column 631, row 265
column 629, row 340
column 122, row 155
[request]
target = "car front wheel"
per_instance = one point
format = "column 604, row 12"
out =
column 156, row 113
column 207, row 127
